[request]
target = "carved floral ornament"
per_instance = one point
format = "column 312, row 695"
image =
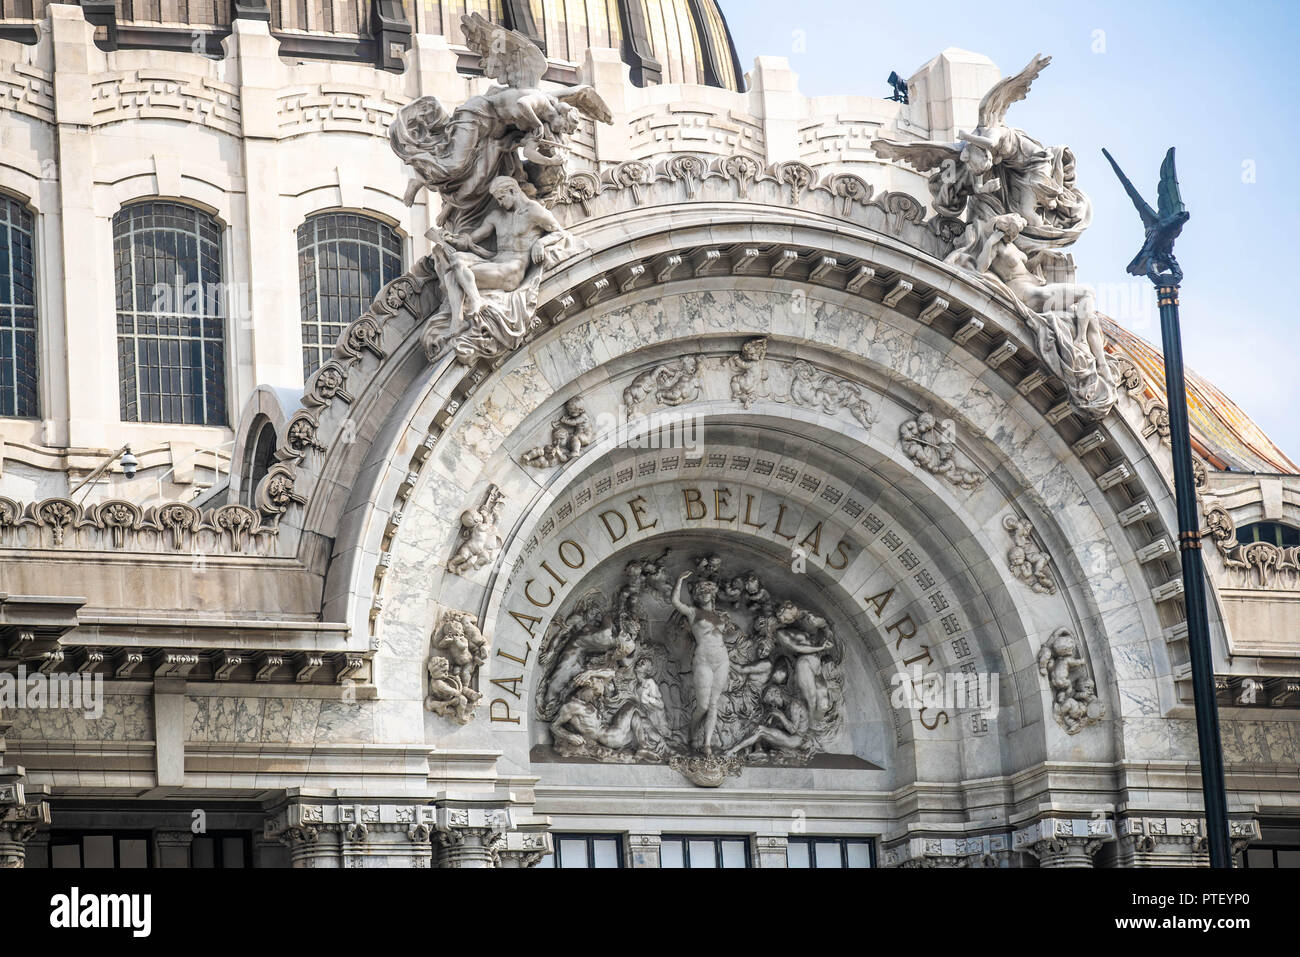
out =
column 1260, row 563
column 174, row 526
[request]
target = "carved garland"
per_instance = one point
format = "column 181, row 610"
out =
column 796, row 181
column 120, row 524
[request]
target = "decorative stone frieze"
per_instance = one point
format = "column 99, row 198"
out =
column 354, row 835
column 114, row 525
column 1174, row 841
column 927, row 852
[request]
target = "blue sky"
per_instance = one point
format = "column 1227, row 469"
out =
column 1218, row 81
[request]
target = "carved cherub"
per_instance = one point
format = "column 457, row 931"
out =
column 571, row 432
column 447, row 696
column 463, row 644
column 750, row 374
column 1074, row 694
column 479, row 531
column 1028, row 562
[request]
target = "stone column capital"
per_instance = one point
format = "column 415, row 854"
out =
column 1064, row 841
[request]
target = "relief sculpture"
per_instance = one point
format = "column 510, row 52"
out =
column 706, row 670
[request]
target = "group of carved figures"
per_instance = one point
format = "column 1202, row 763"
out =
column 494, row 161
column 1075, row 704
column 1021, row 204
column 705, row 665
column 459, row 650
column 497, row 161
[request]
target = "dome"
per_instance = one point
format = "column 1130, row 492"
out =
column 663, row 41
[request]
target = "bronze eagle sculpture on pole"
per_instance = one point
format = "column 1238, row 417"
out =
column 1156, row 258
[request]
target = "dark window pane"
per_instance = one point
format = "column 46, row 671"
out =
column 343, row 261
column 18, row 352
column 170, row 322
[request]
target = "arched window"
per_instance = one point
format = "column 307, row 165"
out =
column 17, row 313
column 259, row 456
column 343, row 261
column 171, row 343
column 1273, row 533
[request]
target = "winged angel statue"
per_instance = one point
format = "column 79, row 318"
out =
column 1021, row 204
column 494, row 161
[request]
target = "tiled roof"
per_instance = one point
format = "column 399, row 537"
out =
column 1221, row 431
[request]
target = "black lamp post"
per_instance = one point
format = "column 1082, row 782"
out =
column 1156, row 261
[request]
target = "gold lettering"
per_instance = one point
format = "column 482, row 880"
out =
column 898, row 627
column 502, row 683
column 721, row 499
column 506, row 717
column 540, row 604
column 582, row 556
column 931, row 727
column 880, row 601
column 528, row 649
column 531, row 621
column 780, row 516
column 749, row 505
column 604, row 517
column 924, row 656
column 841, row 551
column 816, row 541
column 550, row 571
column 693, row 500
column 638, row 511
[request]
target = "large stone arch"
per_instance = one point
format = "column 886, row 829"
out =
column 423, row 444
column 1047, row 484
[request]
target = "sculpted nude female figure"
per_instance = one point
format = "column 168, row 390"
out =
column 710, row 665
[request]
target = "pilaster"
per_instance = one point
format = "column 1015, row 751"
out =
column 644, row 851
column 19, row 817
column 267, row 344
column 91, row 382
column 775, row 97
column 770, row 850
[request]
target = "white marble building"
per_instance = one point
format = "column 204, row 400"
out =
column 354, row 607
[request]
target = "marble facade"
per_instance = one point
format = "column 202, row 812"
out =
column 758, row 355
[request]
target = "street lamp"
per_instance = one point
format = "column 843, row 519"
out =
column 1156, row 261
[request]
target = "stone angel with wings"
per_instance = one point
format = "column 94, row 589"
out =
column 998, row 169
column 494, row 162
column 515, row 129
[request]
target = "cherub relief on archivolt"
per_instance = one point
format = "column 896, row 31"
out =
column 1021, row 205
column 493, row 161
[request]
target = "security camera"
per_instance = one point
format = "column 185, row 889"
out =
column 129, row 463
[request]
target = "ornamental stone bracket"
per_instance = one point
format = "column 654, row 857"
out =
column 527, row 845
column 19, row 817
column 982, row 850
column 354, row 835
column 471, row 831
column 927, row 852
column 1178, row 841
column 1064, row 842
